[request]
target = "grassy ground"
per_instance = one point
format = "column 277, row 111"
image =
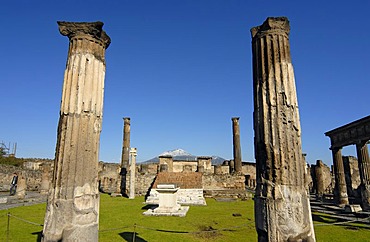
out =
column 121, row 219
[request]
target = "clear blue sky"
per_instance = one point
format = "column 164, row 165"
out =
column 181, row 70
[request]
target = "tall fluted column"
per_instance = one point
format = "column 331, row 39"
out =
column 133, row 154
column 282, row 208
column 236, row 145
column 73, row 204
column 364, row 167
column 125, row 159
column 340, row 189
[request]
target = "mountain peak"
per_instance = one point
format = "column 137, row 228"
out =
column 176, row 152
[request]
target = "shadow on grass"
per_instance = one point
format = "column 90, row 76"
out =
column 131, row 236
column 39, row 235
column 149, row 206
column 350, row 225
column 320, row 218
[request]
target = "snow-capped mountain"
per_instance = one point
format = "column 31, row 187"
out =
column 180, row 154
column 176, row 152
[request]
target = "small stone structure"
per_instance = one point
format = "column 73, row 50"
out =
column 168, row 205
column 282, row 207
column 72, row 212
column 190, row 186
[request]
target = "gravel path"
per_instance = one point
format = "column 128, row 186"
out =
column 31, row 198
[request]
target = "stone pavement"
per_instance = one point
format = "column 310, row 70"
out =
column 31, row 198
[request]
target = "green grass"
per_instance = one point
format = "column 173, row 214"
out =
column 121, row 217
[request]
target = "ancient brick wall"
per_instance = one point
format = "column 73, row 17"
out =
column 33, row 177
column 185, row 180
column 222, row 181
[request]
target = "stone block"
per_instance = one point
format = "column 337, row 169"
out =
column 353, row 208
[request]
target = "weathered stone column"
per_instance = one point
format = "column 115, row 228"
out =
column 364, row 167
column 340, row 190
column 21, row 187
column 319, row 178
column 126, row 142
column 282, row 208
column 72, row 212
column 133, row 154
column 45, row 179
column 236, row 145
column 125, row 159
column 231, row 166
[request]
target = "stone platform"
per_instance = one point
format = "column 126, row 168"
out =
column 181, row 212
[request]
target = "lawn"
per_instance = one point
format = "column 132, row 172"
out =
column 121, row 219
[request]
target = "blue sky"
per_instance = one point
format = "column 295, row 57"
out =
column 181, row 70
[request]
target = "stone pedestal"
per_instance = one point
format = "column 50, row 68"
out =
column 72, row 212
column 282, row 208
column 168, row 205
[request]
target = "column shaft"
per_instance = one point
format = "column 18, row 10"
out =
column 282, row 208
column 126, row 143
column 340, row 190
column 364, row 167
column 73, row 205
column 125, row 159
column 133, row 154
column 236, row 146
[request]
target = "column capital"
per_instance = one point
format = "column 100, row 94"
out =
column 235, row 119
column 277, row 25
column 89, row 30
column 133, row 151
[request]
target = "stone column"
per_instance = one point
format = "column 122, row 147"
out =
column 45, row 179
column 236, row 145
column 340, row 190
column 21, row 187
column 319, row 179
column 282, row 208
column 126, row 142
column 125, row 159
column 231, row 166
column 133, row 154
column 72, row 212
column 364, row 167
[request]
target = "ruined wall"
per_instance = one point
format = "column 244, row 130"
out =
column 352, row 175
column 179, row 166
column 108, row 177
column 221, row 181
column 33, row 177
